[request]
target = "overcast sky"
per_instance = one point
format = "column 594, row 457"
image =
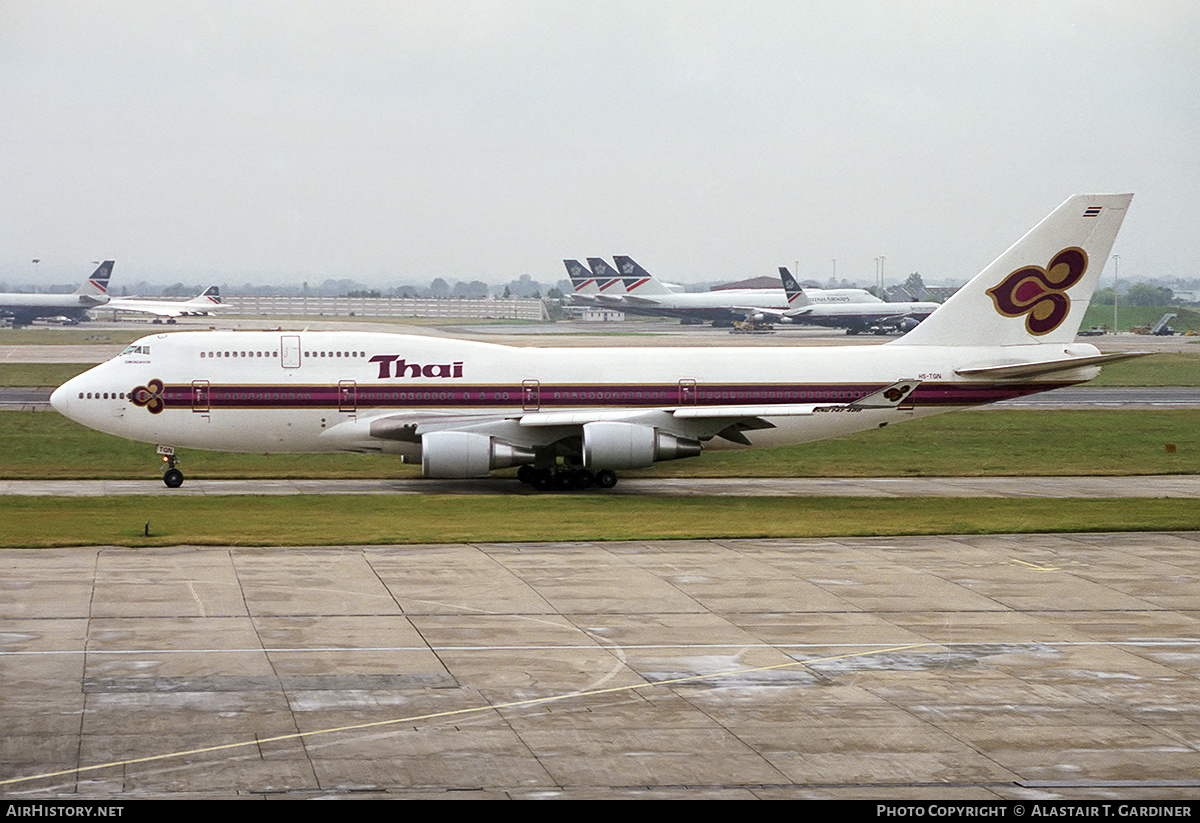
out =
column 399, row 141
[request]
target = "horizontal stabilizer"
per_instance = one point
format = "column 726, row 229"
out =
column 1047, row 366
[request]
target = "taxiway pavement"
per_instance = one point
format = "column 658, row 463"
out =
column 1171, row 485
column 972, row 667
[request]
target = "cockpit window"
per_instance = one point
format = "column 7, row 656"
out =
column 136, row 349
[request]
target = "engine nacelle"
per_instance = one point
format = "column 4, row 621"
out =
column 632, row 446
column 468, row 454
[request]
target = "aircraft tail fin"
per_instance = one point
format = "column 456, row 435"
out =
column 1038, row 290
column 637, row 278
column 607, row 278
column 581, row 278
column 796, row 297
column 212, row 293
column 96, row 286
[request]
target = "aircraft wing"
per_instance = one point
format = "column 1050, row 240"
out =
column 533, row 428
column 893, row 318
column 777, row 315
column 164, row 308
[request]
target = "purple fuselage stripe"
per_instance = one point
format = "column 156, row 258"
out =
column 183, row 396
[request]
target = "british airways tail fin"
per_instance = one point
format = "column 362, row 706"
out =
column 209, row 297
column 97, row 284
column 581, row 278
column 638, row 279
column 796, row 297
column 1038, row 290
column 607, row 279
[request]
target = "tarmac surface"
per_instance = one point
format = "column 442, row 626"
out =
column 955, row 668
column 1173, row 485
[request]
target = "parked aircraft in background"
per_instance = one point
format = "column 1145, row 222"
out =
column 643, row 294
column 630, row 288
column 589, row 285
column 855, row 317
column 206, row 303
column 573, row 417
column 25, row 308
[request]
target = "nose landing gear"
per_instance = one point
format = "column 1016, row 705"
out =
column 172, row 476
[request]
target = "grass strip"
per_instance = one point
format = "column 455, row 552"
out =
column 994, row 442
column 307, row 520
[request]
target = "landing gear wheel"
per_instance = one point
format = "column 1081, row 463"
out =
column 584, row 478
column 543, row 480
column 173, row 478
column 526, row 473
column 606, row 479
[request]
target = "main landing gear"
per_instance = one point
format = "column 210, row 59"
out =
column 566, row 479
column 172, row 476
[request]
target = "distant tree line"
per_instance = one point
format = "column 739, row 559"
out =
column 1139, row 294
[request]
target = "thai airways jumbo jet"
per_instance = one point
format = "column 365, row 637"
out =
column 25, row 308
column 574, row 417
column 204, row 304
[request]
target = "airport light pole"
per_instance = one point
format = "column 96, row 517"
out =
column 1116, row 287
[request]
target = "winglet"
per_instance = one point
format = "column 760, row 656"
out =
column 893, row 396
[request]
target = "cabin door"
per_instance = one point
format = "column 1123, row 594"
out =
column 531, row 395
column 289, row 351
column 347, row 396
column 200, row 399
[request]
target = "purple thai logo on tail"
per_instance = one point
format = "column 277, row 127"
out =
column 1041, row 294
column 150, row 396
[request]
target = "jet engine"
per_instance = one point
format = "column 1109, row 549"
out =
column 631, row 446
column 452, row 454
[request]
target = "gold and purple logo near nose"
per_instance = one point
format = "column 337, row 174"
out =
column 149, row 395
column 1041, row 294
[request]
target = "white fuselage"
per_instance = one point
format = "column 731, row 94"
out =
column 860, row 315
column 323, row 391
column 197, row 307
column 29, row 306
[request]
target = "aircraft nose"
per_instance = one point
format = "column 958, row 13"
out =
column 60, row 399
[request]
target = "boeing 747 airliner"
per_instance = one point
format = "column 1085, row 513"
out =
column 573, row 417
